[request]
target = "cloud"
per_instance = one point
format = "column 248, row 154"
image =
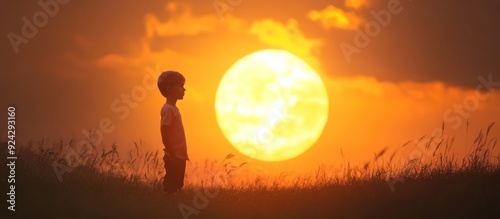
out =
column 111, row 61
column 183, row 22
column 285, row 36
column 142, row 56
column 333, row 17
column 129, row 62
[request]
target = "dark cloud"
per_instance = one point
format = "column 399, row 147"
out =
column 449, row 41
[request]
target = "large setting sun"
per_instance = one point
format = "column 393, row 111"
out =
column 271, row 105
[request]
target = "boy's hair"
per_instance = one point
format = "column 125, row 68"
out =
column 168, row 79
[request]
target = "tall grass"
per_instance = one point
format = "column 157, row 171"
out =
column 421, row 158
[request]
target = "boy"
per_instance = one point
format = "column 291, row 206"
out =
column 171, row 86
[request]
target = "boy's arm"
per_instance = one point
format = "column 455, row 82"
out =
column 164, row 138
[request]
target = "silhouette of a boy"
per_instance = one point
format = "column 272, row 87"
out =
column 171, row 86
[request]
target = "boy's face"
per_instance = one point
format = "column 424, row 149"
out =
column 177, row 91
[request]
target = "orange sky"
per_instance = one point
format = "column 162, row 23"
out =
column 410, row 77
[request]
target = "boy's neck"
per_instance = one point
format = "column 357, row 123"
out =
column 172, row 101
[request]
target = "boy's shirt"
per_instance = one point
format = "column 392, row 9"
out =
column 171, row 117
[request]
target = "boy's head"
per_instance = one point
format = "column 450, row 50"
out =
column 171, row 84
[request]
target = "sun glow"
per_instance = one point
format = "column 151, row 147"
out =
column 271, row 105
